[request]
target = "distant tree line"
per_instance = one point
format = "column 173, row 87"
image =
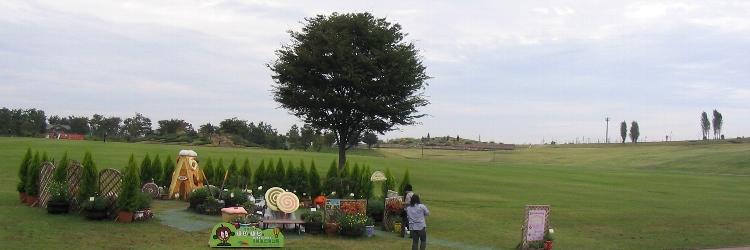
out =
column 33, row 123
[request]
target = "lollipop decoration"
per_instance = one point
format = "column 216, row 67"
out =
column 272, row 197
column 287, row 202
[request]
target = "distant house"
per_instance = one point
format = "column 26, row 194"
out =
column 56, row 131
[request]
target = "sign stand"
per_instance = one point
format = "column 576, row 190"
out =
column 535, row 224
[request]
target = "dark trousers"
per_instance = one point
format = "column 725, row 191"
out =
column 404, row 223
column 416, row 237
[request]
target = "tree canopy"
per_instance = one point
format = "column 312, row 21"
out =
column 350, row 74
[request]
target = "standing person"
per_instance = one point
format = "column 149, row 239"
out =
column 404, row 216
column 416, row 212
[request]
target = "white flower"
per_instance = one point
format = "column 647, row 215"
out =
column 231, row 195
column 334, row 192
column 260, row 187
column 551, row 230
column 91, row 198
column 304, row 193
column 352, row 194
column 249, row 191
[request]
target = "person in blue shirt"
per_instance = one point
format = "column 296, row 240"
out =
column 416, row 212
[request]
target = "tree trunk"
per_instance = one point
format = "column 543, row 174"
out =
column 342, row 155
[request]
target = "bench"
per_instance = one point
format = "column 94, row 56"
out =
column 284, row 223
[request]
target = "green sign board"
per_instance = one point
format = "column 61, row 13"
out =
column 227, row 235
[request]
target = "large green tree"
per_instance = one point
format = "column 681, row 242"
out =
column 350, row 74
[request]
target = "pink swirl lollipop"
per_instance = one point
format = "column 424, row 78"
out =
column 287, row 202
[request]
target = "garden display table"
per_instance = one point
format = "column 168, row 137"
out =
column 284, row 222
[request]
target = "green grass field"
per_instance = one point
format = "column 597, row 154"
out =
column 676, row 195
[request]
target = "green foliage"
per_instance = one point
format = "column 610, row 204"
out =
column 289, row 179
column 404, row 181
column 45, row 157
column 157, row 171
column 209, row 171
column 279, row 175
column 58, row 192
column 390, row 183
column 32, row 183
column 345, row 172
column 23, row 170
column 333, row 172
column 634, row 132
column 89, row 178
column 375, row 206
column 316, row 82
column 352, row 222
column 199, row 195
column 234, row 173
column 235, row 197
column 146, row 173
column 245, row 173
column 312, row 216
column 303, row 186
column 705, row 125
column 623, row 130
column 220, row 171
column 314, row 179
column 259, row 178
column 168, row 171
column 369, row 190
column 128, row 200
column 97, row 203
column 61, row 171
column 144, row 201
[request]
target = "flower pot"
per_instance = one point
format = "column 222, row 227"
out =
column 58, row 207
column 31, row 200
column 165, row 196
column 95, row 214
column 332, row 228
column 124, row 216
column 397, row 227
column 313, row 228
column 369, row 230
column 22, row 196
column 548, row 245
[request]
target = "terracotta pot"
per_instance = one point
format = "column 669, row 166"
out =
column 332, row 228
column 31, row 200
column 124, row 216
column 22, row 196
column 548, row 245
column 165, row 196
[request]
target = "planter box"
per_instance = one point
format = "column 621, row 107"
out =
column 226, row 213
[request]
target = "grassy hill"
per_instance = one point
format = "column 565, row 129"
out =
column 676, row 195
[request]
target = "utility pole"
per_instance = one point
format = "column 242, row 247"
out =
column 607, row 135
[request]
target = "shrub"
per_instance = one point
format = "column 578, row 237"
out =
column 32, row 181
column 352, row 222
column 314, row 181
column 146, row 173
column 127, row 200
column 61, row 171
column 375, row 206
column 95, row 203
column 199, row 195
column 58, row 192
column 235, row 197
column 168, row 170
column 144, row 201
column 89, row 178
column 23, row 170
column 312, row 216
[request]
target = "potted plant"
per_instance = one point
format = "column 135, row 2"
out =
column 234, row 198
column 164, row 193
column 32, row 181
column 369, row 226
column 375, row 207
column 59, row 198
column 95, row 208
column 548, row 239
column 235, row 220
column 212, row 206
column 332, row 224
column 127, row 200
column 352, row 224
column 313, row 222
column 144, row 206
column 23, row 172
column 253, row 220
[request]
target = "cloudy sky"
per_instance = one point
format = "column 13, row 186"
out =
column 505, row 71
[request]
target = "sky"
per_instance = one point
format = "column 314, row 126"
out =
column 503, row 71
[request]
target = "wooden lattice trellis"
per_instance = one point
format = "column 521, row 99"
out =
column 45, row 178
column 390, row 218
column 74, row 176
column 110, row 182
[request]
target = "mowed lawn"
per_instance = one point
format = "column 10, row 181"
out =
column 676, row 195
